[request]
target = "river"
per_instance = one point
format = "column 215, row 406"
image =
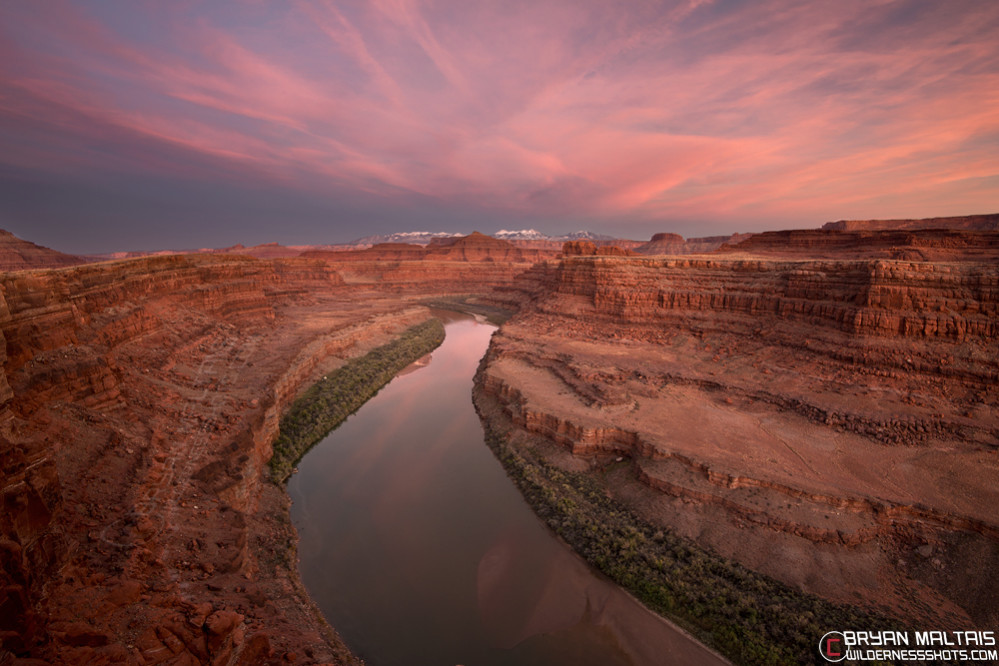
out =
column 419, row 550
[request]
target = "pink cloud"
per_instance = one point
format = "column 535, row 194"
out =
column 780, row 108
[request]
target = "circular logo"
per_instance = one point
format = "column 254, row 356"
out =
column 832, row 646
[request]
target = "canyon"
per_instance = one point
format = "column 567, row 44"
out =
column 817, row 405
column 830, row 423
column 139, row 401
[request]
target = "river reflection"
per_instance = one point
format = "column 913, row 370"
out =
column 419, row 550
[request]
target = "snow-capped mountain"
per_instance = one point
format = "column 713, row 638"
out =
column 534, row 234
column 413, row 237
column 584, row 235
column 424, row 237
column 521, row 234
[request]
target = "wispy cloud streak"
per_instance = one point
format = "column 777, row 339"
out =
column 694, row 110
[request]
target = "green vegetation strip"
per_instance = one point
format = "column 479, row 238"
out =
column 748, row 617
column 329, row 402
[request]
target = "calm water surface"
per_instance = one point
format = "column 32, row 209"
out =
column 420, row 550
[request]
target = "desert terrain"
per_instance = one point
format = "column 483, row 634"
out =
column 817, row 406
column 140, row 400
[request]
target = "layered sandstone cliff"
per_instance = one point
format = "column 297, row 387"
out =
column 262, row 251
column 17, row 255
column 668, row 243
column 832, row 424
column 829, row 422
column 556, row 245
column 139, row 400
column 473, row 263
column 968, row 222
column 936, row 245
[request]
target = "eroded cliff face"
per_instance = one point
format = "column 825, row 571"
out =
column 853, row 241
column 473, row 263
column 139, row 400
column 832, row 424
column 17, row 254
column 62, row 326
column 667, row 243
column 979, row 222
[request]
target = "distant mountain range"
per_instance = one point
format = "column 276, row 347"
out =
column 526, row 244
column 534, row 234
column 17, row 254
column 425, row 237
column 412, row 237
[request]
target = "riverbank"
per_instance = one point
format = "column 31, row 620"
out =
column 748, row 617
column 307, row 420
column 340, row 393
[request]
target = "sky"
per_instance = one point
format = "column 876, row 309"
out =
column 143, row 125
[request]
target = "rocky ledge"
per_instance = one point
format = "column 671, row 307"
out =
column 829, row 423
column 139, row 401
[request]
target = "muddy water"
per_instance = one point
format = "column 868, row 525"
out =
column 419, row 550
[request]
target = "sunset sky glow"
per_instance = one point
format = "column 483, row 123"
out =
column 148, row 125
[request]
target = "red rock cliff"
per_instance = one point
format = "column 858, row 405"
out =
column 783, row 413
column 139, row 402
column 880, row 298
column 474, row 263
column 19, row 255
column 668, row 243
column 979, row 222
column 888, row 243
